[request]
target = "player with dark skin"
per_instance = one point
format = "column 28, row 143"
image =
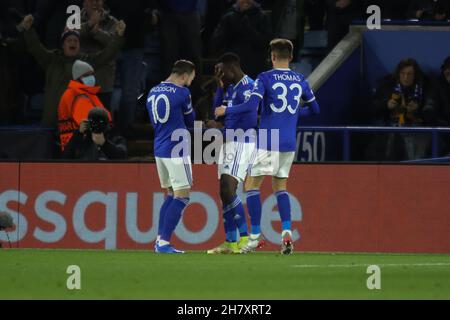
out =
column 227, row 74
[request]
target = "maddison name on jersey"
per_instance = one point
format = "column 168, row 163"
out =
column 164, row 89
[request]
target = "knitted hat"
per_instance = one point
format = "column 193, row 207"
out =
column 79, row 68
column 69, row 33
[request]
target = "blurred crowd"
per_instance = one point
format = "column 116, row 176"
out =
column 132, row 45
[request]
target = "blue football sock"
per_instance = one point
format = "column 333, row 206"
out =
column 254, row 209
column 241, row 220
column 229, row 223
column 239, row 216
column 163, row 211
column 284, row 207
column 173, row 216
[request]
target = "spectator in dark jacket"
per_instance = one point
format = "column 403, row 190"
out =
column 442, row 84
column 245, row 30
column 315, row 11
column 215, row 9
column 98, row 28
column 16, row 66
column 443, row 94
column 58, row 63
column 340, row 14
column 429, row 10
column 137, row 14
column 180, row 33
column 50, row 20
column 288, row 21
column 405, row 99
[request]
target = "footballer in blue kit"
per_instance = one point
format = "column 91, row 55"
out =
column 170, row 109
column 234, row 88
column 282, row 92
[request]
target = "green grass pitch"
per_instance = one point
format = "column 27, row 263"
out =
column 41, row 274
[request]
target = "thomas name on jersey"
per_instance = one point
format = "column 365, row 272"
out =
column 287, row 77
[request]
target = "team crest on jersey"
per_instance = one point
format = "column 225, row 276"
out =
column 247, row 95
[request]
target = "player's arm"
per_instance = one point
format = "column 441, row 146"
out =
column 312, row 108
column 311, row 105
column 218, row 98
column 251, row 104
column 189, row 113
column 248, row 106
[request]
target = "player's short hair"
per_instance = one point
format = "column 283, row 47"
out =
column 282, row 48
column 183, row 66
column 230, row 58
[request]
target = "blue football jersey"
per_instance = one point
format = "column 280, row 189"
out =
column 236, row 95
column 170, row 108
column 282, row 91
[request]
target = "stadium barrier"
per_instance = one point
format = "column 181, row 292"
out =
column 336, row 208
column 321, row 151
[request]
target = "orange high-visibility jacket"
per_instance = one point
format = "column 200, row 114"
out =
column 74, row 107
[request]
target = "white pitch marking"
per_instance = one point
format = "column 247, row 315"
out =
column 437, row 264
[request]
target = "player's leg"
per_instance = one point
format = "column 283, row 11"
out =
column 230, row 202
column 164, row 179
column 163, row 211
column 261, row 167
column 279, row 187
column 252, row 187
column 232, row 169
column 180, row 171
column 244, row 169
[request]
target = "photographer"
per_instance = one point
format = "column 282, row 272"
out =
column 94, row 140
column 81, row 139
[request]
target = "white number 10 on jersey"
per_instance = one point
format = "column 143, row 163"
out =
column 153, row 100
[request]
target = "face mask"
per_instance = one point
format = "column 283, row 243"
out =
column 89, row 81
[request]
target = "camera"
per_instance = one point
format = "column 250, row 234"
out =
column 6, row 221
column 98, row 120
column 98, row 125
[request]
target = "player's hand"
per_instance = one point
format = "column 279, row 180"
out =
column 120, row 28
column 27, row 22
column 412, row 106
column 392, row 104
column 99, row 139
column 220, row 112
column 84, row 126
column 213, row 124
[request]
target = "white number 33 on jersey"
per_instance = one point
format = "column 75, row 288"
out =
column 283, row 97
